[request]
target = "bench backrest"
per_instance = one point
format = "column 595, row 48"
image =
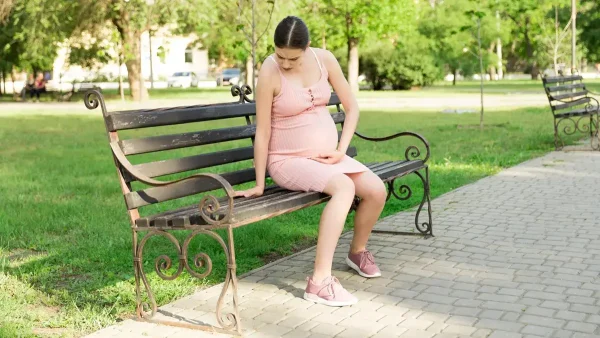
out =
column 221, row 134
column 565, row 92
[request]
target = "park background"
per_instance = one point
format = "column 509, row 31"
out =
column 65, row 250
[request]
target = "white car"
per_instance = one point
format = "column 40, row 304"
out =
column 183, row 80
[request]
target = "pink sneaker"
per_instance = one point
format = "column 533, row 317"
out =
column 364, row 263
column 330, row 292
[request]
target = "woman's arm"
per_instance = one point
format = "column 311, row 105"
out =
column 344, row 92
column 264, row 101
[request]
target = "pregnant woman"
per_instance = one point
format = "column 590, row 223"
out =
column 297, row 142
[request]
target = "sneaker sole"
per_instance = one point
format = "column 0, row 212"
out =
column 355, row 267
column 319, row 300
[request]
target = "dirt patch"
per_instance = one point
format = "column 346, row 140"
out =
column 485, row 126
column 50, row 332
column 19, row 255
column 304, row 243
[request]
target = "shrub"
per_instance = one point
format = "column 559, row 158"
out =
column 410, row 63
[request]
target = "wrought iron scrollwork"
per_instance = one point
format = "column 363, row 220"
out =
column 243, row 92
column 424, row 227
column 412, row 152
column 94, row 98
column 209, row 210
column 163, row 263
column 404, row 191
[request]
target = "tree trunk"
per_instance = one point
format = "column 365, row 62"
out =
column 249, row 70
column 134, row 70
column 455, row 74
column 353, row 64
column 12, row 77
column 132, row 56
column 323, row 40
column 222, row 62
column 492, row 68
column 529, row 51
column 492, row 73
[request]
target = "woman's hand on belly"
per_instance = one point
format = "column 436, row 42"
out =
column 329, row 157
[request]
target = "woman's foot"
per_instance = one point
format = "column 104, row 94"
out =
column 364, row 263
column 329, row 292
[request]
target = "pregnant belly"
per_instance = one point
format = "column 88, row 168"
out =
column 304, row 135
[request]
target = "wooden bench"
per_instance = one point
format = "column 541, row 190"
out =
column 213, row 210
column 572, row 106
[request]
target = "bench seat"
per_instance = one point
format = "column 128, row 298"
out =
column 275, row 201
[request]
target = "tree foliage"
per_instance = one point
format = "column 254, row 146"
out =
column 589, row 21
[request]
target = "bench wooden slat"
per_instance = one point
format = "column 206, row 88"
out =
column 274, row 199
column 179, row 165
column 175, row 141
column 134, row 119
column 571, row 104
column 191, row 139
column 140, row 198
column 145, row 118
column 556, row 79
column 565, row 87
column 575, row 112
column 180, row 217
column 569, row 95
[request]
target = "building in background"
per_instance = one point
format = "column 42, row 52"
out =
column 170, row 54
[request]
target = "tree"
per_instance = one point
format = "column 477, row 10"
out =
column 478, row 16
column 254, row 29
column 451, row 28
column 553, row 36
column 526, row 18
column 408, row 63
column 355, row 20
column 131, row 18
column 31, row 32
column 214, row 24
column 589, row 23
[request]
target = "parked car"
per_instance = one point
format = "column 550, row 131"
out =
column 183, row 80
column 229, row 76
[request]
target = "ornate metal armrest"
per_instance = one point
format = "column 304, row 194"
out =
column 209, row 205
column 590, row 107
column 411, row 153
column 591, row 92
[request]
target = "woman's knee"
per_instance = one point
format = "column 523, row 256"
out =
column 370, row 187
column 377, row 192
column 340, row 185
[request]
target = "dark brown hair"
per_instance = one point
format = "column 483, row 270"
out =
column 291, row 32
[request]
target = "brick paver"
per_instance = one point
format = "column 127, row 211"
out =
column 515, row 255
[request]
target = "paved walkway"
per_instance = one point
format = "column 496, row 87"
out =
column 515, row 255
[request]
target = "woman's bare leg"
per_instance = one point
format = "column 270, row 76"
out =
column 372, row 192
column 341, row 190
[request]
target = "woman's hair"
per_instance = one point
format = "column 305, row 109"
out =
column 291, row 32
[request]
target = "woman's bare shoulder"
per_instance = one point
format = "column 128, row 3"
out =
column 326, row 56
column 268, row 68
column 268, row 75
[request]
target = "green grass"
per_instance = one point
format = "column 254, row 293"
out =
column 221, row 94
column 506, row 87
column 65, row 244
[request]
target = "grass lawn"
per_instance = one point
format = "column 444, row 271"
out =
column 221, row 94
column 65, row 243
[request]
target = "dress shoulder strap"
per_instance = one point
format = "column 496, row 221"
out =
column 276, row 64
column 317, row 58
